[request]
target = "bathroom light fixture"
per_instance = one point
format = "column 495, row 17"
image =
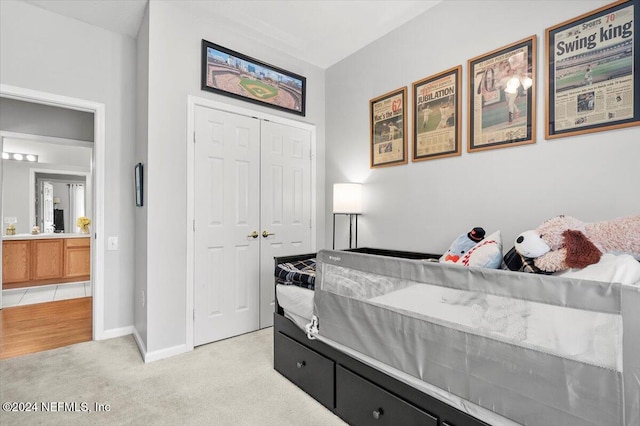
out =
column 31, row 158
column 347, row 200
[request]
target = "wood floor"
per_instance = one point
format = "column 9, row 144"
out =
column 43, row 326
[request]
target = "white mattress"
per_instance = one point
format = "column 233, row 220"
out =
column 591, row 337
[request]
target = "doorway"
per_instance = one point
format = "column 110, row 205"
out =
column 95, row 309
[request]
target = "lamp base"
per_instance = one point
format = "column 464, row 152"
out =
column 351, row 234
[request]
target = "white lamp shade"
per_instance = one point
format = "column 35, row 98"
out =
column 347, row 198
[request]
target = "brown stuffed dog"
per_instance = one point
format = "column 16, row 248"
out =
column 564, row 242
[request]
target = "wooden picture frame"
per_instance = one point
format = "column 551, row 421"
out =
column 502, row 97
column 591, row 84
column 230, row 73
column 139, row 184
column 388, row 128
column 437, row 115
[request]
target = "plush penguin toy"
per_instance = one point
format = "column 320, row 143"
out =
column 462, row 244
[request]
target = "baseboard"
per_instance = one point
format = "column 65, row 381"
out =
column 159, row 354
column 141, row 346
column 165, row 353
column 116, row 332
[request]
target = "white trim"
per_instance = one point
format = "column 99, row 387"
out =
column 47, row 139
column 118, row 332
column 164, row 353
column 98, row 172
column 192, row 102
column 140, row 342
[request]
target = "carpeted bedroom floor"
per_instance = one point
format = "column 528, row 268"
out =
column 231, row 382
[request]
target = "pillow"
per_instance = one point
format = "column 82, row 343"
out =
column 486, row 254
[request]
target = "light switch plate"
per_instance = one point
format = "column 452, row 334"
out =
column 112, row 243
column 13, row 220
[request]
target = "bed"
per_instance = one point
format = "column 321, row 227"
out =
column 410, row 341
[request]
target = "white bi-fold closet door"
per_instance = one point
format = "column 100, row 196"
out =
column 252, row 203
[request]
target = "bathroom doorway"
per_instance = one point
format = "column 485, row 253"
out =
column 89, row 307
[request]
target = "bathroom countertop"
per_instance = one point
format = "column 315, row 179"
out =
column 42, row 236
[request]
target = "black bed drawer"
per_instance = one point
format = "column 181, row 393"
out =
column 360, row 402
column 312, row 372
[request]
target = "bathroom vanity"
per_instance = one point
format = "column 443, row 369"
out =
column 31, row 260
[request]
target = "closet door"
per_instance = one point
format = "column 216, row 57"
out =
column 285, row 216
column 227, row 219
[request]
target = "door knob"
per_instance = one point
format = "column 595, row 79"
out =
column 254, row 234
column 265, row 234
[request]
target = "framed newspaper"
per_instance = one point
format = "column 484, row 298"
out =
column 389, row 129
column 436, row 115
column 502, row 97
column 592, row 72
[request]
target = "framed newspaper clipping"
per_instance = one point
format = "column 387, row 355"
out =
column 502, row 97
column 436, row 115
column 592, row 72
column 389, row 129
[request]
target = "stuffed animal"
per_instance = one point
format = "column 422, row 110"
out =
column 462, row 244
column 564, row 242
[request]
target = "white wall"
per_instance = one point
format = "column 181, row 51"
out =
column 43, row 51
column 175, row 39
column 424, row 206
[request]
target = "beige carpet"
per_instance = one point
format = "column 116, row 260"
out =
column 231, row 382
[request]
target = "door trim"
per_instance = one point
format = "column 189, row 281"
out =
column 99, row 137
column 192, row 102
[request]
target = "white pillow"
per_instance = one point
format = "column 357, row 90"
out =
column 486, row 254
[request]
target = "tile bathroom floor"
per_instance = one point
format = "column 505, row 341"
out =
column 45, row 293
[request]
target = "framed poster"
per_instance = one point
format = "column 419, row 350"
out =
column 436, row 115
column 502, row 97
column 389, row 129
column 591, row 74
column 230, row 73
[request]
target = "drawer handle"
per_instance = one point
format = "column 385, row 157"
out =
column 301, row 364
column 377, row 413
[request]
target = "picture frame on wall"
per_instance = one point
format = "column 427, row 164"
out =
column 591, row 84
column 436, row 115
column 230, row 73
column 502, row 97
column 388, row 128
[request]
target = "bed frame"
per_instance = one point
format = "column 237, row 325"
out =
column 356, row 392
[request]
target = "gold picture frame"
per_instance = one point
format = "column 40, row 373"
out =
column 437, row 115
column 502, row 97
column 388, row 129
column 589, row 74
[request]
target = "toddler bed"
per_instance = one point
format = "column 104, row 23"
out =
column 495, row 347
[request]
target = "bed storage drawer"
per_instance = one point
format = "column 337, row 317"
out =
column 312, row 372
column 360, row 402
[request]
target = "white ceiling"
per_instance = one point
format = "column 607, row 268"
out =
column 321, row 32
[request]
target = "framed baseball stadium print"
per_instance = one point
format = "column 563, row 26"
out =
column 591, row 72
column 233, row 74
column 502, row 97
column 436, row 115
column 389, row 129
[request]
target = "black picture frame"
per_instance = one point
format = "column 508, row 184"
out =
column 591, row 71
column 139, row 184
column 230, row 73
